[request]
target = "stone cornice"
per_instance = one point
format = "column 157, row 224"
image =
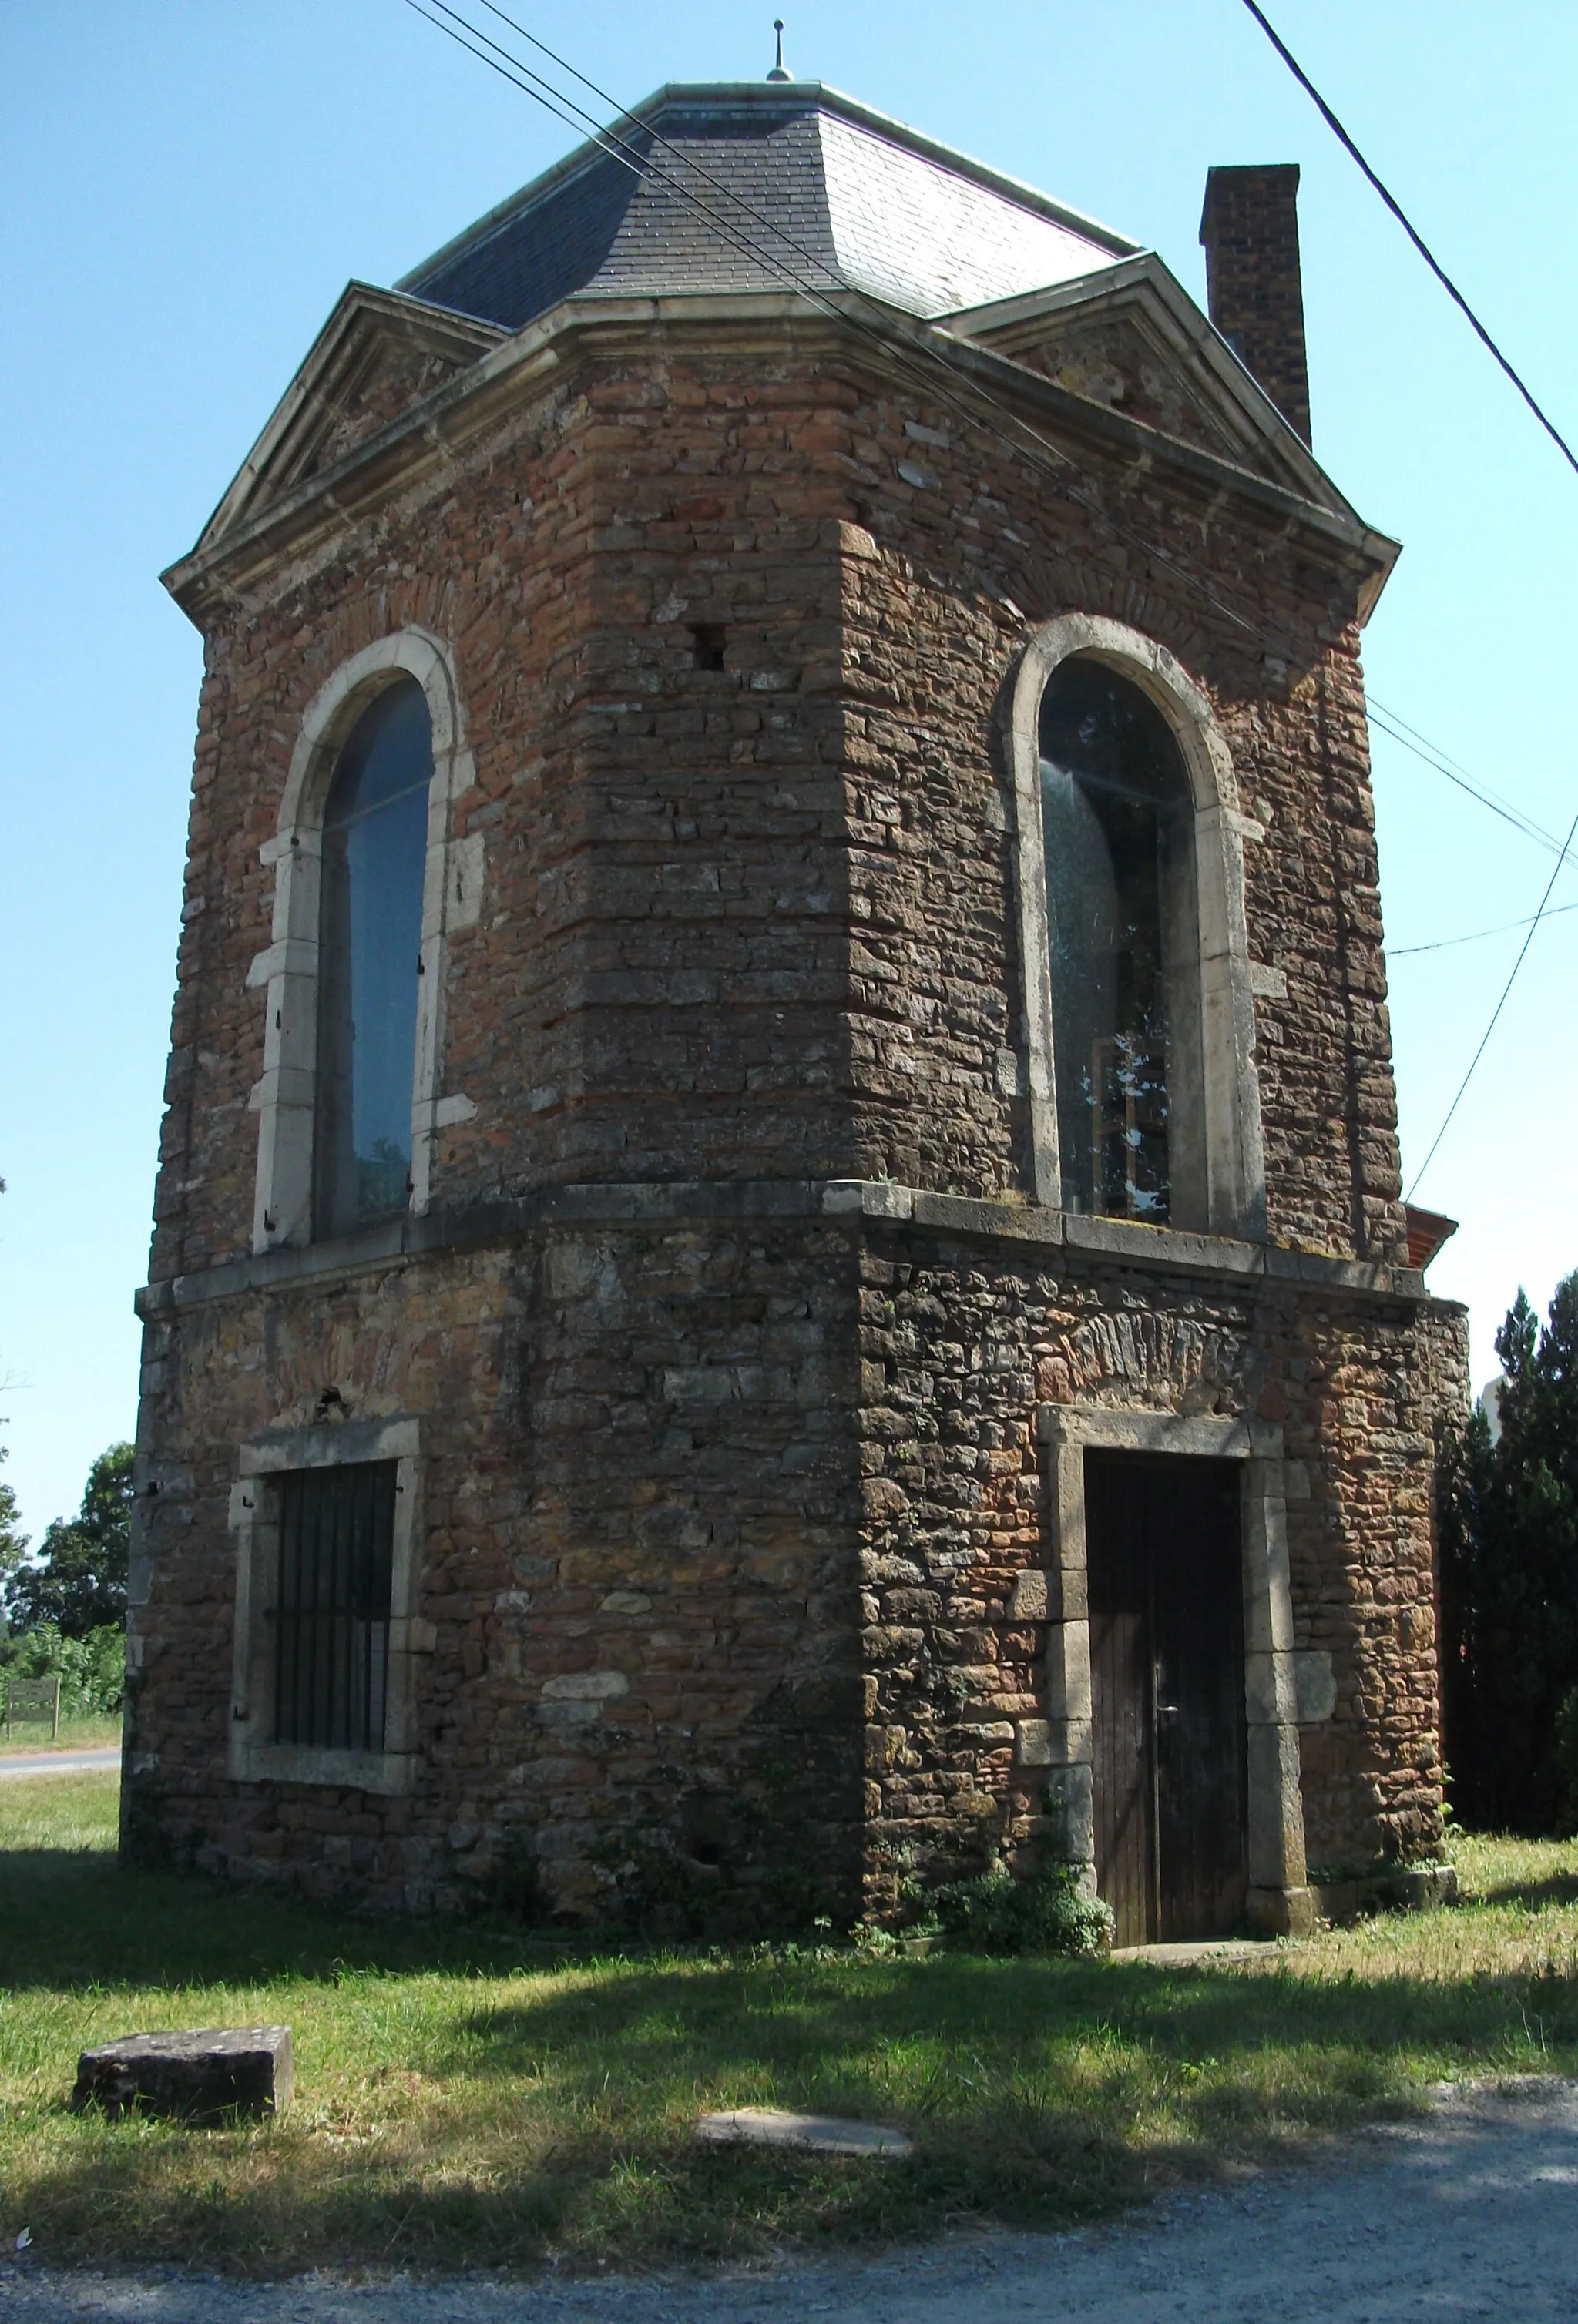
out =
column 438, row 432
column 1254, row 1269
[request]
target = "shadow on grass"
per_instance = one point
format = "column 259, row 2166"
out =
column 556, row 2117
column 280, row 2205
column 1559, row 1888
column 1040, row 2094
column 930, row 2039
column 75, row 1917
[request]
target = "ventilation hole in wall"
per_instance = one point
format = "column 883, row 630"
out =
column 711, row 638
column 863, row 512
column 707, row 1851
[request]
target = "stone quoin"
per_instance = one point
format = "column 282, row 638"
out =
column 779, row 1271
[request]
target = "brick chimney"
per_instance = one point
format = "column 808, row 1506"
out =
column 1250, row 229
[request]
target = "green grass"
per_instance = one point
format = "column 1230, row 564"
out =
column 462, row 2100
column 30, row 1737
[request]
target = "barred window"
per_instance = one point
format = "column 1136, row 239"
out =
column 331, row 1611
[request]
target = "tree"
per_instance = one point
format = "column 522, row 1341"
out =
column 1509, row 1578
column 12, row 1540
column 79, row 1580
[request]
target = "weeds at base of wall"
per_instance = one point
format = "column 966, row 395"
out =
column 1042, row 1913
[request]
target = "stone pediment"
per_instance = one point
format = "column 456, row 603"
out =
column 379, row 354
column 1132, row 339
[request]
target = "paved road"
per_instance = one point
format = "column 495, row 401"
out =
column 1472, row 2213
column 60, row 1763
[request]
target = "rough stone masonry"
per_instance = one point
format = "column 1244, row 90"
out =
column 735, row 1347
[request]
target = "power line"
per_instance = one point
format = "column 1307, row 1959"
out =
column 902, row 352
column 1433, row 756
column 1495, row 1013
column 1445, row 944
column 1433, row 263
column 556, row 102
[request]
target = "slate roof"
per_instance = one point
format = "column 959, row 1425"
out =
column 822, row 186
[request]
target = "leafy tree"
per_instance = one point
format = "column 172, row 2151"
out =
column 1509, row 1578
column 12, row 1540
column 79, row 1581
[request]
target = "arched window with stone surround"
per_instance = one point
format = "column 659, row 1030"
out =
column 371, row 881
column 374, row 854
column 1138, row 994
column 1117, row 821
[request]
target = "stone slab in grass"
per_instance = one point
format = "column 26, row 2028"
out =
column 815, row 2134
column 201, row 2076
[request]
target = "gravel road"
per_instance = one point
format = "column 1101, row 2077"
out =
column 61, row 1763
column 1470, row 2213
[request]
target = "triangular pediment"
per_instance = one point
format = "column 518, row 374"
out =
column 1132, row 339
column 379, row 354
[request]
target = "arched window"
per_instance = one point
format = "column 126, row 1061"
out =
column 375, row 849
column 1118, row 830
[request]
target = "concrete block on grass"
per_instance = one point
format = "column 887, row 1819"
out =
column 200, row 2077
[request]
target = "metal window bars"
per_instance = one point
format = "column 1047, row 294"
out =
column 331, row 1609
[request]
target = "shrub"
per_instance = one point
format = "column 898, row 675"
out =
column 1043, row 1913
column 1566, row 1758
column 92, row 1669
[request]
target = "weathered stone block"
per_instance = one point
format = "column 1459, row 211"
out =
column 201, row 2076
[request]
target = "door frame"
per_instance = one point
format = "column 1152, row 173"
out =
column 1279, row 1900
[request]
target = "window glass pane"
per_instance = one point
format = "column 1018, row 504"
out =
column 1116, row 823
column 375, row 849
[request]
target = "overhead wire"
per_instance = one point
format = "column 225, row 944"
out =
column 1389, row 724
column 1476, row 936
column 1495, row 1013
column 1396, row 207
column 620, row 149
column 565, row 109
column 900, row 349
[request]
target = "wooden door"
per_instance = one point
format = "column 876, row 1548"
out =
column 1167, row 1687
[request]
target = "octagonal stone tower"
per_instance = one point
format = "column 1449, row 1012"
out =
column 778, row 1267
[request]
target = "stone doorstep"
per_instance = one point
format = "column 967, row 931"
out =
column 200, row 2077
column 812, row 2134
column 1202, row 1951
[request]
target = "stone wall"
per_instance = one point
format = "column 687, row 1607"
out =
column 734, row 619
column 640, row 1513
column 961, row 1340
column 760, row 917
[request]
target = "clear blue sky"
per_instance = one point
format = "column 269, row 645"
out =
column 185, row 189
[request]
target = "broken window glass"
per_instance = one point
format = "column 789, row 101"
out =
column 1117, row 824
column 374, row 850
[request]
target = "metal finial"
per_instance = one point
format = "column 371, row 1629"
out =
column 781, row 70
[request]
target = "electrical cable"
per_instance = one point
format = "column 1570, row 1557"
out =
column 1445, row 944
column 1495, row 1013
column 554, row 101
column 619, row 149
column 1433, row 263
column 1520, row 822
column 900, row 351
column 1436, row 755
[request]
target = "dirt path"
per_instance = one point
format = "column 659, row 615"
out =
column 1472, row 2213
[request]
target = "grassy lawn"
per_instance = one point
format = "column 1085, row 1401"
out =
column 30, row 1737
column 464, row 2100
